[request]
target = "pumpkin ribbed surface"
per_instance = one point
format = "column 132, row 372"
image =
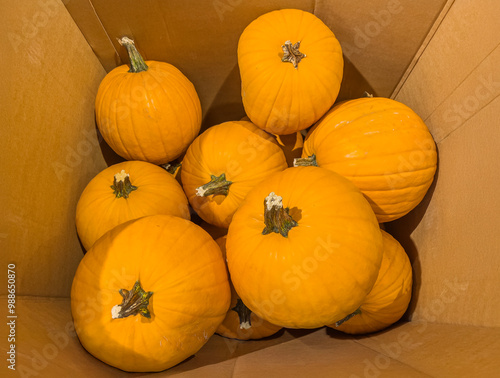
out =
column 242, row 153
column 100, row 207
column 277, row 96
column 388, row 300
column 325, row 265
column 150, row 115
column 179, row 265
column 382, row 146
column 240, row 323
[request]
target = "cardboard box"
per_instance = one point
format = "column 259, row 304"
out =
column 441, row 58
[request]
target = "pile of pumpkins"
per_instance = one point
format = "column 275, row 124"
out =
column 301, row 244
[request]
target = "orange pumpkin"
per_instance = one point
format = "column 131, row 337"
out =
column 149, row 293
column 241, row 323
column 304, row 248
column 291, row 144
column 126, row 191
column 150, row 112
column 291, row 67
column 388, row 300
column 223, row 164
column 382, row 146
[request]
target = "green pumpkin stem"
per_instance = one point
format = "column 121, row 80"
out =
column 243, row 314
column 137, row 63
column 122, row 187
column 292, row 54
column 305, row 162
column 135, row 301
column 276, row 218
column 357, row 312
column 217, row 185
column 171, row 167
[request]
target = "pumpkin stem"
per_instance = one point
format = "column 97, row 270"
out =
column 357, row 312
column 217, row 185
column 305, row 162
column 137, row 63
column 121, row 185
column 243, row 314
column 135, row 301
column 171, row 167
column 276, row 218
column 292, row 54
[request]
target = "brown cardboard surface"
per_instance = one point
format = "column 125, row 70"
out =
column 49, row 147
column 50, row 150
column 46, row 346
column 380, row 39
column 199, row 39
column 452, row 236
column 439, row 350
column 84, row 15
column 454, row 246
column 452, row 60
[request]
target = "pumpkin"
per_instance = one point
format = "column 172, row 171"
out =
column 291, row 144
column 223, row 164
column 304, row 248
column 126, row 191
column 174, row 168
column 241, row 323
column 149, row 293
column 291, row 68
column 382, row 146
column 388, row 300
column 150, row 112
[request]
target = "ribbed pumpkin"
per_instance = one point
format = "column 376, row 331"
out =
column 304, row 248
column 382, row 146
column 223, row 164
column 291, row 144
column 149, row 293
column 388, row 300
column 126, row 191
column 241, row 323
column 291, row 68
column 150, row 112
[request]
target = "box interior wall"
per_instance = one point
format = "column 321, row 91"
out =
column 441, row 58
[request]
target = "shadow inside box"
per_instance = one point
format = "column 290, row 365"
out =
column 401, row 229
column 227, row 104
column 219, row 349
column 339, row 335
column 109, row 156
